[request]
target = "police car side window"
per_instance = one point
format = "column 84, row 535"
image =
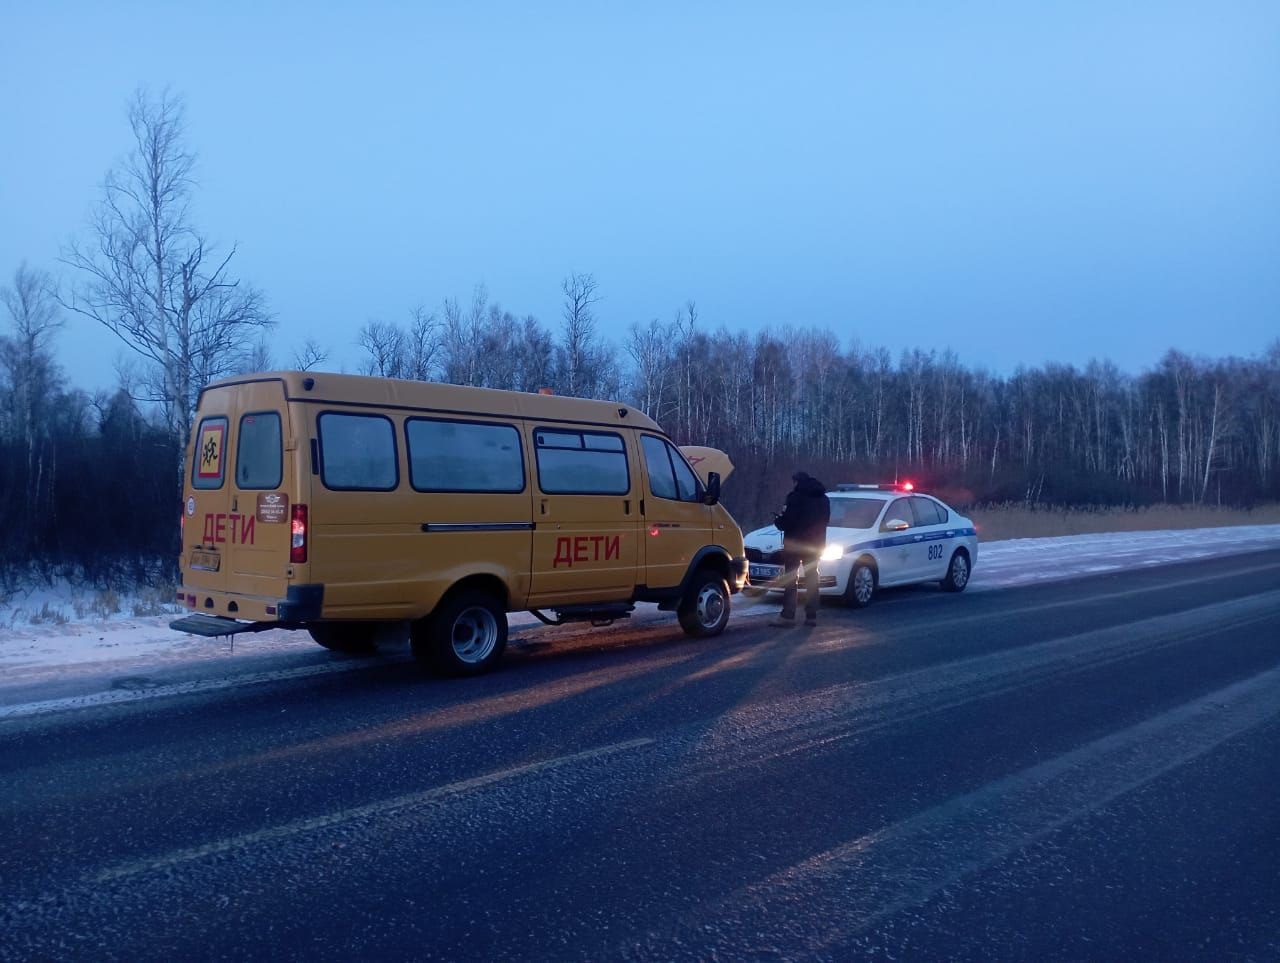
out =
column 926, row 511
column 899, row 510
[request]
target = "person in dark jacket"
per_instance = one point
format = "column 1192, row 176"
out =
column 803, row 524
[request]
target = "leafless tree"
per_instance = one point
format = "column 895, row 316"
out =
column 579, row 334
column 310, row 355
column 462, row 336
column 422, row 345
column 649, row 349
column 385, row 345
column 26, row 357
column 151, row 278
column 259, row 357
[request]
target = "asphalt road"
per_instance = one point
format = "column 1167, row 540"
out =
column 1083, row 770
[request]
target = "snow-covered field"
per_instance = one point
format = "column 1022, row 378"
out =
column 92, row 644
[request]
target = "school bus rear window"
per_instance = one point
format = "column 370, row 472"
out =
column 209, row 466
column 258, row 451
column 460, row 456
column 357, row 452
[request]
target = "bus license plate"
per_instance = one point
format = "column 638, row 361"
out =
column 765, row 572
column 205, row 561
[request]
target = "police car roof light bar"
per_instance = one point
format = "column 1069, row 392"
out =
column 882, row 487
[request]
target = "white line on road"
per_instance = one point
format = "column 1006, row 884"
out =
column 379, row 808
column 824, row 901
column 119, row 696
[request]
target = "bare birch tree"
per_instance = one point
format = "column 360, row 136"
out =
column 26, row 357
column 578, row 343
column 151, row 278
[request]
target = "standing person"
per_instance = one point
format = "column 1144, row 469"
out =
column 803, row 524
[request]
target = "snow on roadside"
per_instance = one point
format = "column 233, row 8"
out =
column 27, row 650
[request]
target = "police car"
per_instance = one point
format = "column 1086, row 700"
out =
column 879, row 535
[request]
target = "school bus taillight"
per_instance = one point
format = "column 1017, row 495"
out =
column 298, row 541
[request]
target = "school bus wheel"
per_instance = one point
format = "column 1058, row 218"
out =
column 704, row 611
column 354, row 638
column 465, row 635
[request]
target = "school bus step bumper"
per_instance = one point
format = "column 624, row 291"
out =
column 216, row 625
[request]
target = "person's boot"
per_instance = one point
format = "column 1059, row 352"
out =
column 781, row 621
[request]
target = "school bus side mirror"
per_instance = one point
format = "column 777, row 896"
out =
column 712, row 494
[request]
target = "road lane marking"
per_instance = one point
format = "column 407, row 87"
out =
column 382, row 807
column 757, row 734
column 193, row 687
column 823, row 901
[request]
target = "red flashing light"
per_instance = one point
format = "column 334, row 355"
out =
column 298, row 533
column 908, row 487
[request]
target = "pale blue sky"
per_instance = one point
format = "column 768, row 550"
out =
column 1020, row 182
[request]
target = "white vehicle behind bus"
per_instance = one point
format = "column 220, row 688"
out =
column 879, row 536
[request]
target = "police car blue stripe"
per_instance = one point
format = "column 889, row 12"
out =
column 910, row 540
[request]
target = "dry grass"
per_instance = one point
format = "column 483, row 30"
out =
column 1017, row 521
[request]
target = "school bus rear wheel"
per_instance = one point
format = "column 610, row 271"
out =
column 466, row 635
column 704, row 612
column 354, row 638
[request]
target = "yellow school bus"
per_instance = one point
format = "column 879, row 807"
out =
column 340, row 503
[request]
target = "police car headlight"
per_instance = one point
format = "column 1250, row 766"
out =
column 832, row 553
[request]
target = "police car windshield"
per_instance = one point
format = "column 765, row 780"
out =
column 855, row 512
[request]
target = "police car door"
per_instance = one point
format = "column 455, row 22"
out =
column 932, row 535
column 903, row 548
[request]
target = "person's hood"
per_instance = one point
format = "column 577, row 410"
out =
column 810, row 486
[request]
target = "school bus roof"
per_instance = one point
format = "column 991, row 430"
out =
column 320, row 387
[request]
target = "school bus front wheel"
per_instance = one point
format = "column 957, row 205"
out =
column 704, row 611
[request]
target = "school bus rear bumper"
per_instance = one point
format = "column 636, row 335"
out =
column 301, row 604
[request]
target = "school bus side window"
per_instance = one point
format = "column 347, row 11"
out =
column 581, row 462
column 669, row 475
column 209, row 466
column 686, row 480
column 662, row 482
column 357, row 452
column 259, row 459
column 462, row 456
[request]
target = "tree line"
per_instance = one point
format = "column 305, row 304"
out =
column 90, row 481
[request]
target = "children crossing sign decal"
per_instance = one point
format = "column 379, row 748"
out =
column 210, row 451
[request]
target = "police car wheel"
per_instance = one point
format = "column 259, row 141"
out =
column 465, row 635
column 704, row 611
column 861, row 588
column 354, row 638
column 957, row 573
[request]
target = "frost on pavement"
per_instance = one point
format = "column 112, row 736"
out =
column 1004, row 564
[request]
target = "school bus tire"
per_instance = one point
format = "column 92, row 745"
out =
column 465, row 635
column 352, row 638
column 704, row 610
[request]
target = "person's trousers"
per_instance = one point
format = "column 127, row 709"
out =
column 790, row 577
